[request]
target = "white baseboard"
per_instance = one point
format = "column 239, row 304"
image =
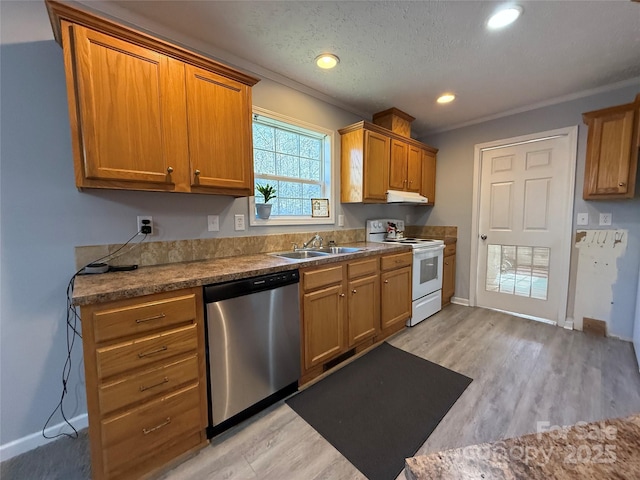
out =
column 568, row 323
column 624, row 339
column 460, row 301
column 34, row 440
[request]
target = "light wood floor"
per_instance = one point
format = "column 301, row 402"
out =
column 523, row 372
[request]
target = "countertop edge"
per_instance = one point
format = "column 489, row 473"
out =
column 107, row 287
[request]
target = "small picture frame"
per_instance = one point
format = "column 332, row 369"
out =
column 319, row 207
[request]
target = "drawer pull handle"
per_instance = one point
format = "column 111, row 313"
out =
column 164, row 380
column 152, row 352
column 148, row 319
column 147, row 431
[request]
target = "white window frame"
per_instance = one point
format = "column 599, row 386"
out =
column 329, row 145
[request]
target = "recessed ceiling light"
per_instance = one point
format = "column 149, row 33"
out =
column 327, row 60
column 446, row 98
column 504, row 16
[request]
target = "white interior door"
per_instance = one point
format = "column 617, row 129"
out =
column 524, row 214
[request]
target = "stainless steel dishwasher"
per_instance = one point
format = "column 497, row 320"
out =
column 253, row 345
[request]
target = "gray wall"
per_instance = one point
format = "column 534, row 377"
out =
column 454, row 190
column 44, row 217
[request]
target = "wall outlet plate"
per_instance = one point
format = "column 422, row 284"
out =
column 213, row 223
column 341, row 220
column 605, row 219
column 239, row 222
column 147, row 226
column 583, row 219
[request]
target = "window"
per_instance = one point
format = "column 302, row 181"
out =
column 295, row 157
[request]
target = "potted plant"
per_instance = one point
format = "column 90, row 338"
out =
column 263, row 210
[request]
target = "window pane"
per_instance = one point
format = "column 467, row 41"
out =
column 264, row 162
column 284, row 154
column 287, row 166
column 310, row 169
column 287, row 142
column 518, row 270
column 310, row 147
column 263, row 137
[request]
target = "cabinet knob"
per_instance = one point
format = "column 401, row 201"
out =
column 386, row 281
column 342, row 294
column 621, row 184
column 446, row 263
column 169, row 170
column 354, row 291
column 197, row 172
column 410, row 182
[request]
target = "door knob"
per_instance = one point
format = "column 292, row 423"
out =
column 483, row 237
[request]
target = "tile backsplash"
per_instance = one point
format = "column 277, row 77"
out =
column 158, row 253
column 430, row 231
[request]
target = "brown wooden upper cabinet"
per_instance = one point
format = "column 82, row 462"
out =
column 148, row 115
column 375, row 159
column 613, row 145
column 405, row 171
column 429, row 176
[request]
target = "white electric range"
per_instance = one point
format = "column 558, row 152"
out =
column 426, row 290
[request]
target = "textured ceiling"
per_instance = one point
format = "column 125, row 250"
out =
column 404, row 54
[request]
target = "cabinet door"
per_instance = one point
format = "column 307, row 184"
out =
column 429, row 176
column 395, row 297
column 376, row 166
column 611, row 156
column 448, row 278
column 220, row 140
column 364, row 313
column 323, row 325
column 398, row 165
column 130, row 102
column 414, row 169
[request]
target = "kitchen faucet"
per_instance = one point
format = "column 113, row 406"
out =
column 315, row 241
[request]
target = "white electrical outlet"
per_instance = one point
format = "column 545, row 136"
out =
column 239, row 222
column 583, row 219
column 605, row 219
column 213, row 223
column 341, row 220
column 145, row 222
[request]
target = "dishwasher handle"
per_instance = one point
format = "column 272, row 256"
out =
column 246, row 286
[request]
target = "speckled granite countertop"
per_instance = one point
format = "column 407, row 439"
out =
column 105, row 287
column 600, row 450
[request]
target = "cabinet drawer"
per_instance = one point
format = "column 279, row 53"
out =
column 129, row 436
column 449, row 249
column 141, row 352
column 141, row 317
column 147, row 384
column 321, row 277
column 361, row 268
column 389, row 262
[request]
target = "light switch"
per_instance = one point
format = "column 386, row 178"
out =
column 583, row 219
column 239, row 222
column 341, row 220
column 213, row 223
column 605, row 219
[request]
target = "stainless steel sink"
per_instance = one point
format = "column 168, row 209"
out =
column 301, row 254
column 335, row 250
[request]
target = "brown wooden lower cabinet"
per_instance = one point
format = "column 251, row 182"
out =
column 145, row 378
column 448, row 273
column 342, row 305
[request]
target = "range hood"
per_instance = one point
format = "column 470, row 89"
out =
column 406, row 198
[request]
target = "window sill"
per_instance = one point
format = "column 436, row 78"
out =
column 277, row 221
